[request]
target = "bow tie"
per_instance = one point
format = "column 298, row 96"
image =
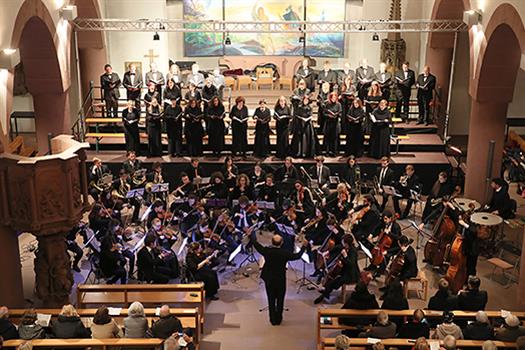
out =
column 131, row 73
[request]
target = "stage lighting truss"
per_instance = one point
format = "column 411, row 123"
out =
column 184, row 26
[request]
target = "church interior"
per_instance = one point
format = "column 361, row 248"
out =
column 299, row 174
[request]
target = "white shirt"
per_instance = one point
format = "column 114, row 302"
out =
column 382, row 175
column 406, row 74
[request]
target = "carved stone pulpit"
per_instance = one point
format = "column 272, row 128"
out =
column 47, row 197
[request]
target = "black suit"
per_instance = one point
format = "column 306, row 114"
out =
column 425, row 92
column 410, row 266
column 327, row 77
column 147, row 263
column 94, row 176
column 364, row 78
column 414, row 330
column 404, row 85
column 133, row 85
column 385, row 179
column 274, row 276
column 325, row 174
column 385, row 81
column 130, row 168
column 412, row 184
column 109, row 83
column 309, row 77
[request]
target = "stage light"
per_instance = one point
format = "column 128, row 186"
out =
column 301, row 39
column 227, row 40
column 375, row 37
column 9, row 58
column 156, row 36
column 472, row 17
column 69, row 12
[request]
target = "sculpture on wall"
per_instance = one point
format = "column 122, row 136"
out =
column 393, row 48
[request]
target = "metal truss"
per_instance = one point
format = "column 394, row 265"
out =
column 185, row 26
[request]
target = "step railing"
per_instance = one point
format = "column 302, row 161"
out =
column 86, row 110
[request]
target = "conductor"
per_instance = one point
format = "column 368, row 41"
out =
column 274, row 274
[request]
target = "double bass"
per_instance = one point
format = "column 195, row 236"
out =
column 442, row 236
column 457, row 270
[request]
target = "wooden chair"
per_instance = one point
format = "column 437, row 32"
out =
column 422, row 280
column 229, row 82
column 244, row 80
column 286, row 81
column 264, row 76
column 507, row 263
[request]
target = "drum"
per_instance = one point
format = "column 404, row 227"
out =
column 465, row 204
column 487, row 224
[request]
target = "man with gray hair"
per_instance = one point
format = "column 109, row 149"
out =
column 342, row 342
column 7, row 328
column 511, row 330
column 489, row 345
column 382, row 329
column 449, row 342
column 480, row 329
column 166, row 325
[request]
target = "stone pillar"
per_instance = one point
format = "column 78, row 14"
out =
column 12, row 290
column 52, row 115
column 54, row 279
column 92, row 61
column 487, row 122
column 439, row 60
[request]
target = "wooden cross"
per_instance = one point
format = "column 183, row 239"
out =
column 151, row 55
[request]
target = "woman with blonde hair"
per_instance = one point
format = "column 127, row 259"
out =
column 69, row 325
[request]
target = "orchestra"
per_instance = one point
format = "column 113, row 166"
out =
column 191, row 226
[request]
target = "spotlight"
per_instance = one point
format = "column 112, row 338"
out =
column 227, row 40
column 69, row 12
column 156, row 36
column 375, row 37
column 472, row 17
column 8, row 51
column 301, row 39
column 9, row 58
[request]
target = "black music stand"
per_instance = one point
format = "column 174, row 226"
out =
column 304, row 281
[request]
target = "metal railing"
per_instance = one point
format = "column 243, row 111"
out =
column 86, row 109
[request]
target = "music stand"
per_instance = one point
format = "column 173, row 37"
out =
column 416, row 198
column 304, row 281
column 138, row 192
column 391, row 191
column 250, row 256
column 418, row 233
column 159, row 188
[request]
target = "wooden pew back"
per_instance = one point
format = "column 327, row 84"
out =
column 89, row 343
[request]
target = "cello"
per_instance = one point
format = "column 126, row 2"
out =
column 442, row 236
column 383, row 244
column 396, row 267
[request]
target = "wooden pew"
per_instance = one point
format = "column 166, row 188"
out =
column 329, row 343
column 122, row 295
column 334, row 315
column 190, row 318
column 89, row 343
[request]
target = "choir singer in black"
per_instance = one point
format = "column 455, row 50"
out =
column 425, row 84
column 109, row 84
column 274, row 273
column 130, row 120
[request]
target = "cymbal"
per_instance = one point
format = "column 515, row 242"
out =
column 486, row 219
column 464, row 203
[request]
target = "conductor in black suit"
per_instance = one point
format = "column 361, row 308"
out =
column 274, row 274
column 425, row 84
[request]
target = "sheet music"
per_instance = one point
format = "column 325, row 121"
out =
column 373, row 340
column 306, row 120
column 373, row 118
column 240, row 120
column 114, row 311
column 43, row 319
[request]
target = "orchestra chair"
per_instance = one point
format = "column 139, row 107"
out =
column 507, row 265
column 229, row 82
column 264, row 76
column 422, row 285
column 244, row 80
column 286, row 81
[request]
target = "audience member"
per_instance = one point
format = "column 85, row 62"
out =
column 449, row 342
column 394, row 298
column 511, row 330
column 180, row 341
column 7, row 328
column 480, row 329
column 28, row 328
column 360, row 299
column 489, row 345
column 136, row 324
column 472, row 299
column 378, row 346
column 421, row 344
column 342, row 342
column 69, row 325
column 443, row 300
column 520, row 343
column 448, row 327
column 166, row 325
column 27, row 345
column 416, row 328
column 104, row 326
column 382, row 329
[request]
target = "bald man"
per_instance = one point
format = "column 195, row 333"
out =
column 274, row 274
column 7, row 328
column 166, row 325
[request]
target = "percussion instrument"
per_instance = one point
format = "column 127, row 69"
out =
column 465, row 204
column 487, row 224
